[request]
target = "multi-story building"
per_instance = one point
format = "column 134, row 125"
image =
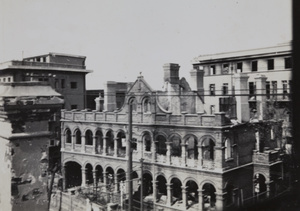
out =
column 267, row 71
column 192, row 160
column 27, row 111
column 65, row 73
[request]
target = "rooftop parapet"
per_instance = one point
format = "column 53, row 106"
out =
column 200, row 119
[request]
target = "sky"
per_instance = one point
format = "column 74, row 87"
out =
column 123, row 39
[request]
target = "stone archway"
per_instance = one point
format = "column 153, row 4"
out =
column 73, row 176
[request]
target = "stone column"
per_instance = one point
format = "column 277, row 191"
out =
column 64, row 174
column 82, row 143
column 73, row 143
column 260, row 81
column 63, row 141
column 104, row 181
column 169, row 194
column 200, row 199
column 141, row 147
column 116, row 147
column 153, row 150
column 200, row 156
column 104, row 145
column 116, row 183
column 95, row 178
column 183, row 154
column 154, row 190
column 184, row 196
column 83, row 176
column 268, row 188
column 219, row 202
column 168, row 154
column 94, row 144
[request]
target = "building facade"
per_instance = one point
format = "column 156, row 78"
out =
column 28, row 111
column 64, row 73
column 267, row 73
column 191, row 160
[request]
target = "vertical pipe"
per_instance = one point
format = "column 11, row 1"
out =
column 129, row 162
column 142, row 188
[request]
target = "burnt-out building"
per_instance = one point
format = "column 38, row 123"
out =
column 27, row 112
column 192, row 160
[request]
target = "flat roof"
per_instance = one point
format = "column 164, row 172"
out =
column 279, row 49
column 57, row 54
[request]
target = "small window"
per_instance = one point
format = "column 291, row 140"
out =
column 212, row 109
column 73, row 85
column 4, row 79
column 212, row 89
column 239, row 67
column 271, row 64
column 254, row 66
column 288, row 63
column 63, row 85
column 212, row 70
column 8, row 79
column 225, row 89
column 73, row 106
column 274, row 87
column 38, row 59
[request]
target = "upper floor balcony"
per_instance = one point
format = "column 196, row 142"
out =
column 266, row 157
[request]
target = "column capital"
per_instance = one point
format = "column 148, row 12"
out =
column 183, row 144
column 168, row 143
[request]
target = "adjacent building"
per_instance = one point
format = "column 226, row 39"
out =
column 63, row 72
column 192, row 159
column 27, row 113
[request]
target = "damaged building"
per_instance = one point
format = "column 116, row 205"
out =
column 28, row 109
column 193, row 159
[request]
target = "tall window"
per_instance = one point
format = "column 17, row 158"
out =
column 212, row 90
column 251, row 89
column 239, row 67
column 274, row 87
column 268, row 89
column 284, row 89
column 68, row 136
column 228, row 149
column 254, row 66
column 271, row 64
column 225, row 88
column 288, row 62
column 63, row 85
column 78, row 137
column 212, row 70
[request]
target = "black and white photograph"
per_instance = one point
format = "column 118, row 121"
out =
column 148, row 105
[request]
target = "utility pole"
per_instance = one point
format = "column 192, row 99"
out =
column 142, row 189
column 129, row 162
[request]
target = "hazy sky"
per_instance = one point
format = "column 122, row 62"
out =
column 123, row 38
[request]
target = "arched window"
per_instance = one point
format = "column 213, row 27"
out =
column 147, row 142
column 228, row 148
column 78, row 136
column 68, row 136
column 208, row 148
column 146, row 105
column 88, row 137
column 161, row 146
column 176, row 146
column 133, row 102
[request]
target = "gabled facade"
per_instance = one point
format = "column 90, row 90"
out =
column 191, row 160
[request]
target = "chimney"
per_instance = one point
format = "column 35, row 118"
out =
column 260, row 81
column 171, row 73
column 110, row 96
column 241, row 96
column 197, row 80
